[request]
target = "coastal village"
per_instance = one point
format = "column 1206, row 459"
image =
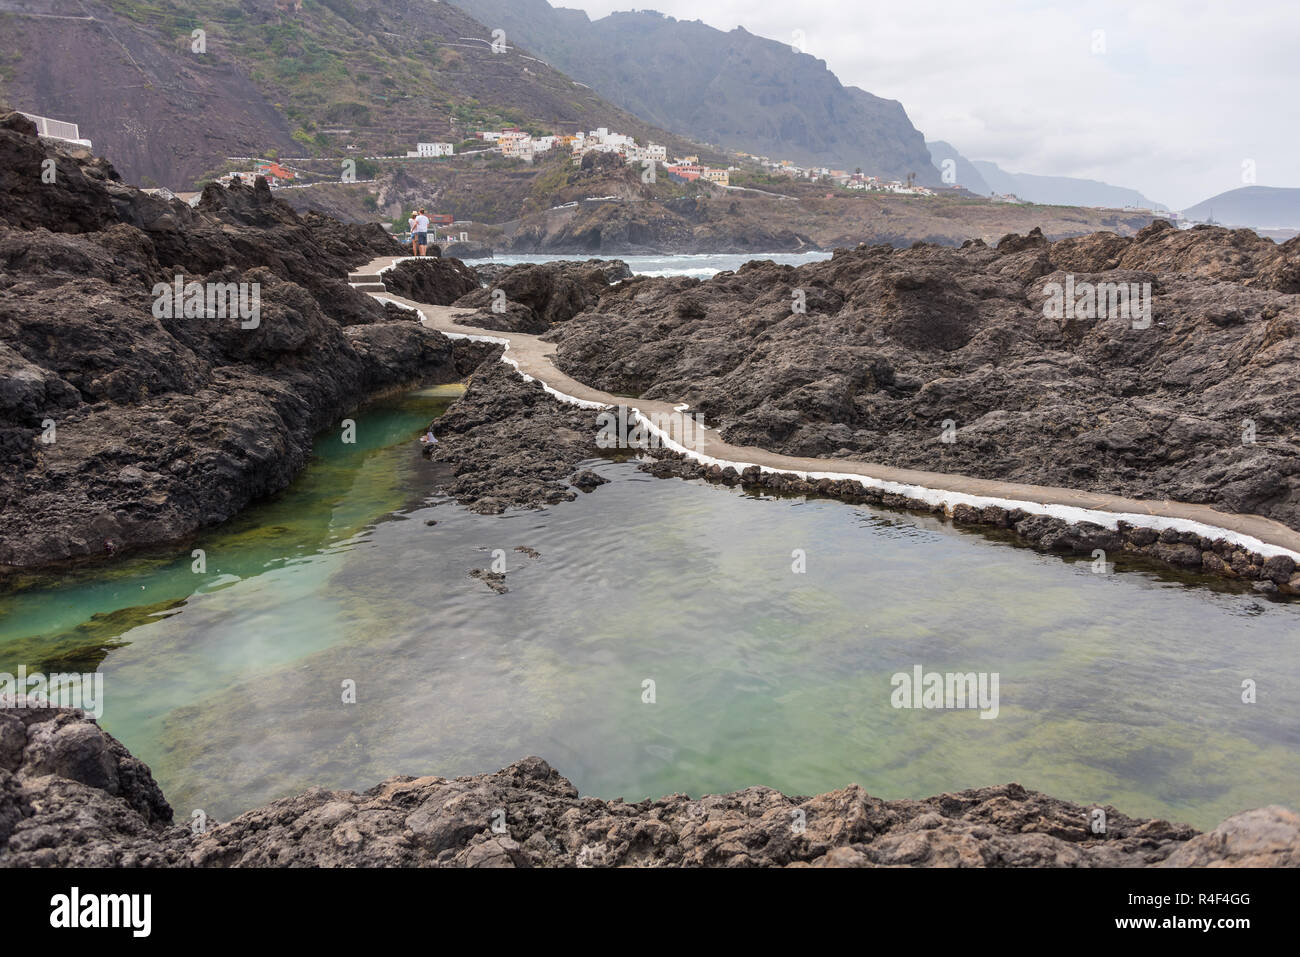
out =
column 513, row 143
column 517, row 144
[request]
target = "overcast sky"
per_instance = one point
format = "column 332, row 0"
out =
column 1178, row 96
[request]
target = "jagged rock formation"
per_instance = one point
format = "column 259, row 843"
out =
column 531, row 297
column 510, row 444
column 1202, row 405
column 71, row 795
column 119, row 427
column 433, row 280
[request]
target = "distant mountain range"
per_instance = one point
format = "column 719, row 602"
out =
column 733, row 89
column 967, row 176
column 985, row 178
column 1262, row 207
column 1062, row 190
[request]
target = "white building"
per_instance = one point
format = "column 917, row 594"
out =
column 434, row 149
column 654, row 153
column 603, row 137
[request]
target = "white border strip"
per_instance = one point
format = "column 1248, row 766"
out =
column 1068, row 513
column 931, row 496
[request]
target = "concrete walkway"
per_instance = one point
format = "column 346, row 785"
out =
column 678, row 430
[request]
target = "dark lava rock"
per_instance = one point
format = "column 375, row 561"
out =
column 510, row 443
column 119, row 423
column 587, row 480
column 70, row 795
column 494, row 580
column 538, row 295
column 890, row 344
column 439, row 282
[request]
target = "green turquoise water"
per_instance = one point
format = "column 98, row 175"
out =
column 1122, row 689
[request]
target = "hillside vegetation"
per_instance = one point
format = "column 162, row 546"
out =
column 334, row 74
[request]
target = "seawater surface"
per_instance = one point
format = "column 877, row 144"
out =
column 1123, row 689
column 699, row 265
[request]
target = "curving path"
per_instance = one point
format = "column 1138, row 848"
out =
column 534, row 359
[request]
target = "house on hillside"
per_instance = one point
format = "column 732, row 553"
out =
column 275, row 173
column 433, row 149
column 653, row 153
column 517, row 145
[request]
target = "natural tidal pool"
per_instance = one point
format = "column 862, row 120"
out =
column 229, row 682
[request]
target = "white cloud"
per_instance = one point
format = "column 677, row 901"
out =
column 1184, row 91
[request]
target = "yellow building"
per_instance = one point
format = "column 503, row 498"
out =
column 719, row 176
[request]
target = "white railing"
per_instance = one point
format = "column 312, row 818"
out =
column 56, row 128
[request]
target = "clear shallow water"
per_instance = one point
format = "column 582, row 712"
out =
column 1121, row 689
column 702, row 265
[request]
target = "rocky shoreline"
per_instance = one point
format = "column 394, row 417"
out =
column 72, row 796
column 125, row 425
column 163, row 425
column 542, row 298
column 953, row 361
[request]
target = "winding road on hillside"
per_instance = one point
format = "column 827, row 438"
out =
column 678, row 429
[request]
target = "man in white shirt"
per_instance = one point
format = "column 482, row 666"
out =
column 422, row 233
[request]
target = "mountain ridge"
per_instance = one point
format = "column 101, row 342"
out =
column 1262, row 207
column 734, row 89
column 986, row 178
column 1062, row 190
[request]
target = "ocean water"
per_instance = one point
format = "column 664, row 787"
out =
column 701, row 266
column 231, row 682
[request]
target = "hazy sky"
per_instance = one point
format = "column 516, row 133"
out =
column 1176, row 97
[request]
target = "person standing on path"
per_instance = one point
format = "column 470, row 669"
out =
column 410, row 229
column 422, row 233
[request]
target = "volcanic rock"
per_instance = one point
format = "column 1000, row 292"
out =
column 123, row 420
column 877, row 354
column 71, row 795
